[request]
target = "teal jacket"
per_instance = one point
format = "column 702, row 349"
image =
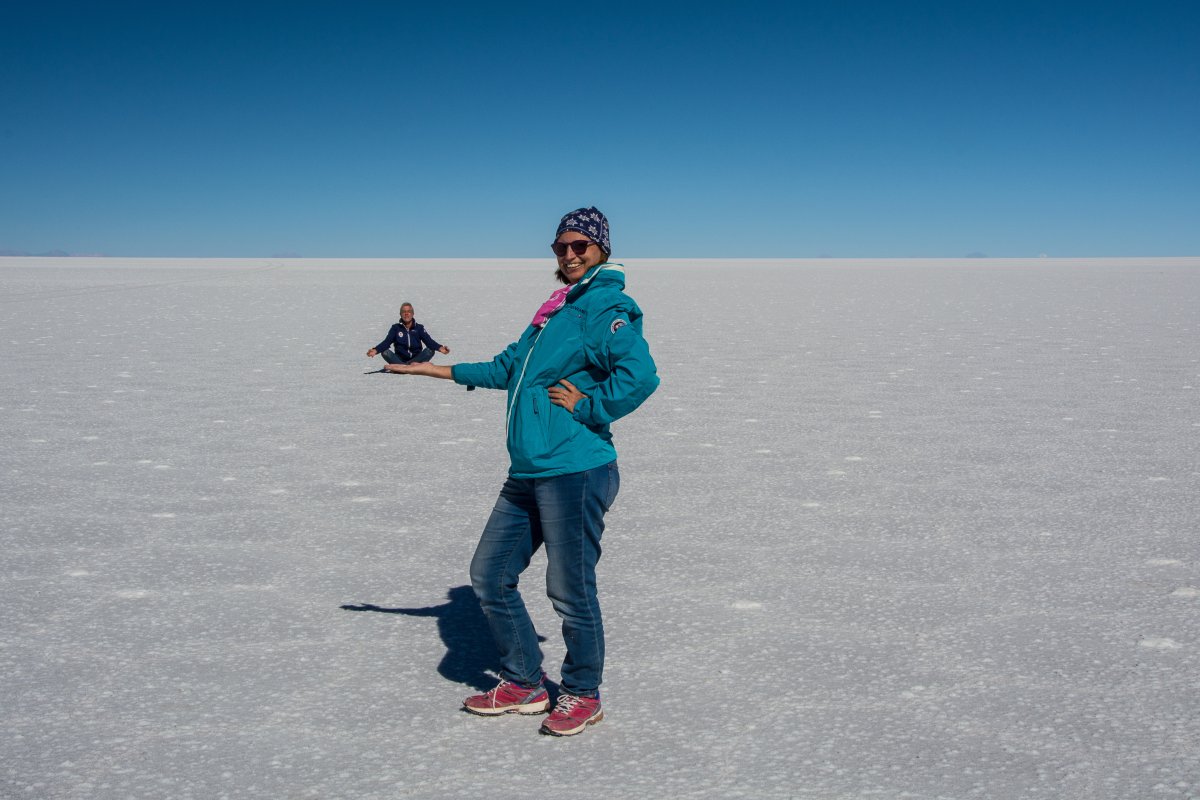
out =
column 594, row 341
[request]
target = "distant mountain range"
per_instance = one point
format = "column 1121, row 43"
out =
column 65, row 254
column 52, row 253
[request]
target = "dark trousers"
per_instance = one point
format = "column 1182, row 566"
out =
column 390, row 357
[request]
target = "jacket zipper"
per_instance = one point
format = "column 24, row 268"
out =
column 520, row 379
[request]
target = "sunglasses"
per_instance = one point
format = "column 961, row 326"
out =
column 578, row 247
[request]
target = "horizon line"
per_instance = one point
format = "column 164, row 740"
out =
column 548, row 260
column 975, row 256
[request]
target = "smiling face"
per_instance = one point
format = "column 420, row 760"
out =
column 406, row 315
column 574, row 267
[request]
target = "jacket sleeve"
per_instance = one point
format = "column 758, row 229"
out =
column 387, row 340
column 427, row 340
column 492, row 374
column 616, row 346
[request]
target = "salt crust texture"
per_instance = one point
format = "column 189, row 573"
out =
column 893, row 529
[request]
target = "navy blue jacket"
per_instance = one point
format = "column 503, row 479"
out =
column 407, row 343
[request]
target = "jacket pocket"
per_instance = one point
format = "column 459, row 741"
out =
column 544, row 434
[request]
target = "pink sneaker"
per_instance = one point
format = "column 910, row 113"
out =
column 572, row 714
column 509, row 698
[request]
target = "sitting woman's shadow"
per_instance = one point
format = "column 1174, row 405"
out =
column 471, row 656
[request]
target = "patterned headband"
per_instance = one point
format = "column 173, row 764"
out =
column 591, row 223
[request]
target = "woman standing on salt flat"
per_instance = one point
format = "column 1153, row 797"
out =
column 580, row 364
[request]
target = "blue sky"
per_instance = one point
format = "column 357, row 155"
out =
column 755, row 130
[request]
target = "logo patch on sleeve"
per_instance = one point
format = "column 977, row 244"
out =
column 617, row 324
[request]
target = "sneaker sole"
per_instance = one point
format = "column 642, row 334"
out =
column 528, row 710
column 573, row 731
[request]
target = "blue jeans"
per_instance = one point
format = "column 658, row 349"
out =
column 566, row 513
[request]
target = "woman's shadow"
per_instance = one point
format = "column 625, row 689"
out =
column 471, row 656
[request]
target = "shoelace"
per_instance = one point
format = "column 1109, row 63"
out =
column 496, row 690
column 514, row 686
column 567, row 703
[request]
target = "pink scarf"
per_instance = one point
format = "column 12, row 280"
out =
column 552, row 305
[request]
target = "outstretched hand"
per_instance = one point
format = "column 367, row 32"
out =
column 565, row 395
column 405, row 369
column 424, row 368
